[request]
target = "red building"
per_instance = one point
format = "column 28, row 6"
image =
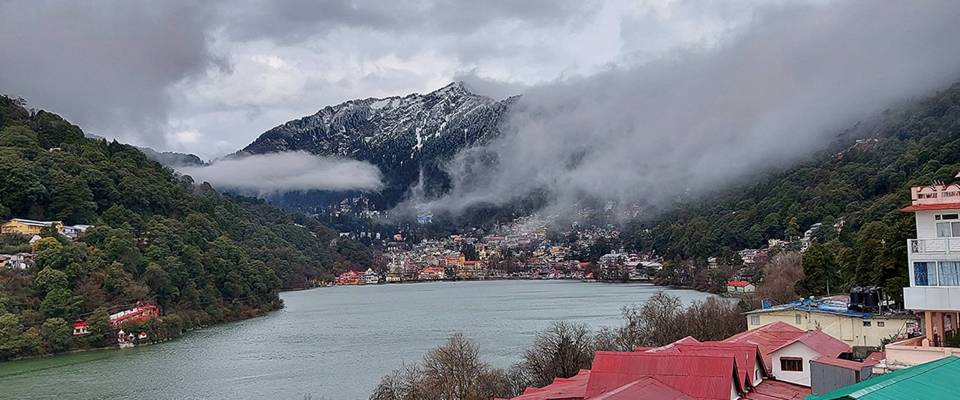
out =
column 138, row 315
column 80, row 328
column 349, row 278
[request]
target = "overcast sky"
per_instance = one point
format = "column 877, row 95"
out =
column 208, row 77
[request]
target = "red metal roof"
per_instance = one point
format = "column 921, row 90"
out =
column 643, row 388
column 771, row 389
column 821, row 343
column 837, row 362
column 875, row 357
column 745, row 354
column 768, row 338
column 685, row 369
column 572, row 388
column 700, row 377
column 931, row 207
column 738, row 283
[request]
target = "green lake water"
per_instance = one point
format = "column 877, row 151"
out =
column 327, row 343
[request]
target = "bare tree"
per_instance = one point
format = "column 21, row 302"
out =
column 606, row 339
column 662, row 319
column 453, row 371
column 780, row 277
column 405, row 383
column 561, row 350
column 712, row 319
column 653, row 323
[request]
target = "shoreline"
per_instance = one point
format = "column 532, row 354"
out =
column 188, row 331
column 150, row 343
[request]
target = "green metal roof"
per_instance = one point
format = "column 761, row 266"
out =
column 931, row 381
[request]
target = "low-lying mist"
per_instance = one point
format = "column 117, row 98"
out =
column 287, row 172
column 702, row 118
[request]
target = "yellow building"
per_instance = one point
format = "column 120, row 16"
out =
column 853, row 327
column 28, row 226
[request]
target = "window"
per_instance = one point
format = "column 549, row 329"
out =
column 866, row 323
column 791, row 364
column 799, row 320
column 880, row 324
column 944, row 217
column 920, row 274
column 754, row 320
column 948, row 229
column 949, row 273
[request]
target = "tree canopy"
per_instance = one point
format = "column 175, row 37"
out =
column 854, row 188
column 202, row 256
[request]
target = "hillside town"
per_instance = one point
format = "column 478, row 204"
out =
column 840, row 347
column 520, row 250
column 462, row 200
column 33, row 229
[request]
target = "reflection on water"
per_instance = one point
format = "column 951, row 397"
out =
column 330, row 343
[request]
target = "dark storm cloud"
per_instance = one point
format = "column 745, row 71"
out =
column 697, row 120
column 105, row 67
column 125, row 69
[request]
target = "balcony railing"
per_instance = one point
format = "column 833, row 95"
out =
column 934, row 246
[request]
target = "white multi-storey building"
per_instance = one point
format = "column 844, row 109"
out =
column 934, row 260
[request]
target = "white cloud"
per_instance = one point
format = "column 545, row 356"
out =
column 239, row 68
column 253, row 80
column 681, row 126
column 285, row 172
column 184, row 137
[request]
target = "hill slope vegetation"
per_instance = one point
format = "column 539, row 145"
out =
column 201, row 256
column 855, row 190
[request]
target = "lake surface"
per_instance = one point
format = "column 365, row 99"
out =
column 327, row 343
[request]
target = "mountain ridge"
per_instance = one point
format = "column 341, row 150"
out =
column 402, row 135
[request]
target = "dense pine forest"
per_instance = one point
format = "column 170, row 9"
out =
column 855, row 189
column 202, row 256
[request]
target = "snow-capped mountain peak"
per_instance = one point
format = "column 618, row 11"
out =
column 399, row 134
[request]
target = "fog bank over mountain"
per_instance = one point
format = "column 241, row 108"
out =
column 287, row 172
column 702, row 118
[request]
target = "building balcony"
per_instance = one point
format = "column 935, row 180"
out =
column 934, row 247
column 946, row 298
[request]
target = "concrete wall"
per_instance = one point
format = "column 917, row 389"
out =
column 848, row 329
column 909, row 352
column 931, row 298
column 926, row 223
column 795, row 350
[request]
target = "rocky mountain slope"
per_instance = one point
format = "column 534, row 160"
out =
column 400, row 135
column 172, row 159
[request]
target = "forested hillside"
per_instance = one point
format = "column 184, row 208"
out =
column 201, row 256
column 859, row 185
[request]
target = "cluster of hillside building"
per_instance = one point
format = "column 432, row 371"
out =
column 817, row 349
column 520, row 250
column 32, row 229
